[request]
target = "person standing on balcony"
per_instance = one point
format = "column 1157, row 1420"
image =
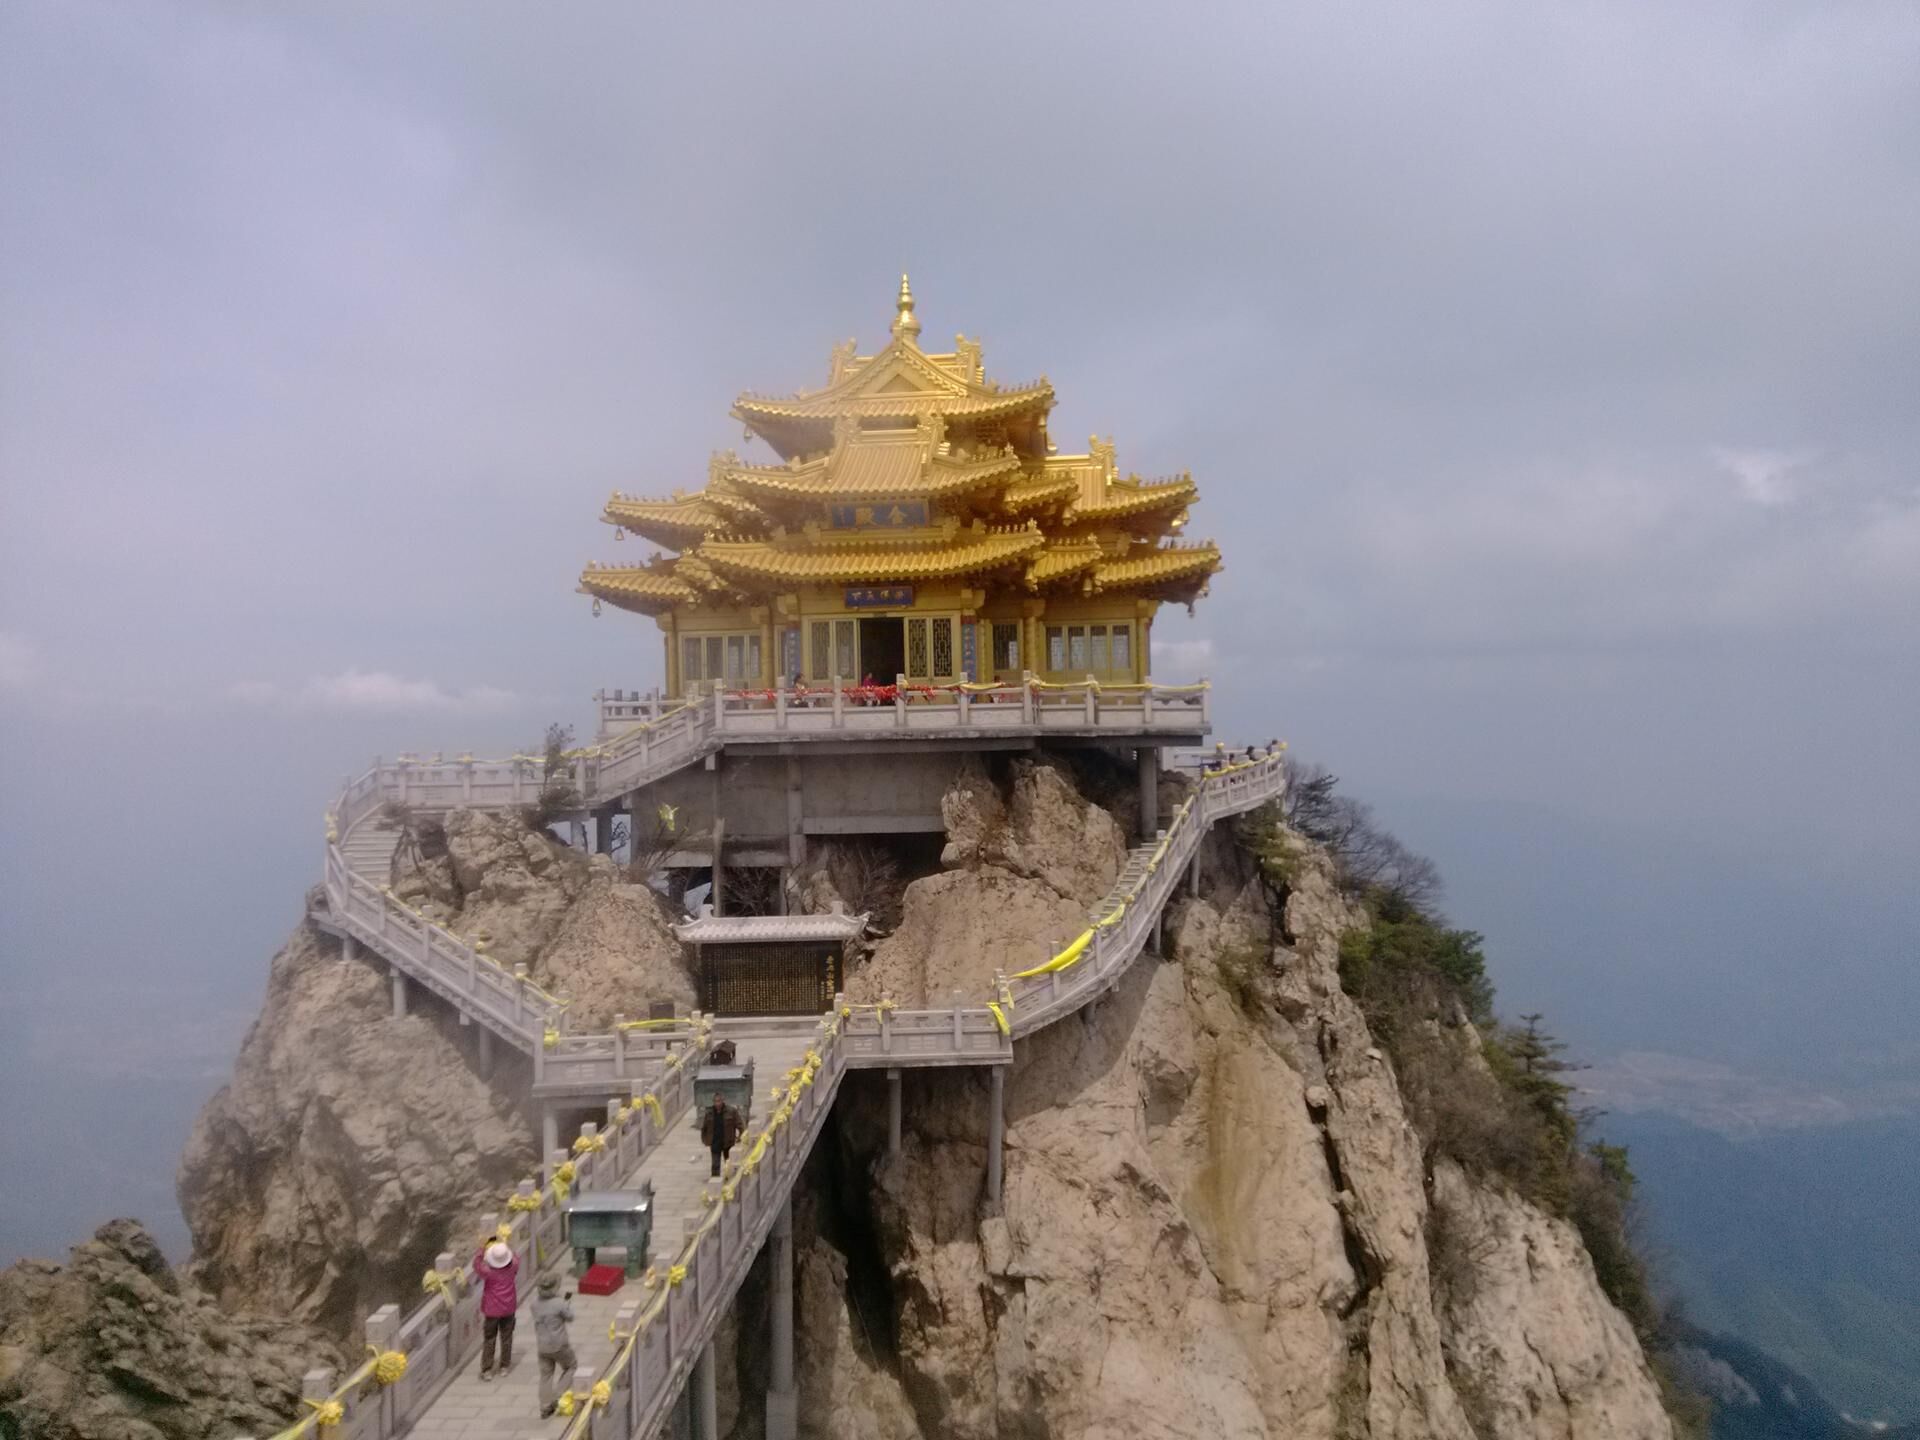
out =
column 498, row 1270
column 720, row 1127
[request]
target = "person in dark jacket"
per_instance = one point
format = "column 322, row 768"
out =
column 720, row 1128
column 498, row 1270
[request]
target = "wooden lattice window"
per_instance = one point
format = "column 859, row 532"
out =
column 821, row 651
column 942, row 648
column 917, row 649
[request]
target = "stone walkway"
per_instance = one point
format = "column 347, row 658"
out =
column 508, row 1406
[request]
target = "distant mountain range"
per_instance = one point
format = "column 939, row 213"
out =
column 1797, row 1249
column 1755, row 1397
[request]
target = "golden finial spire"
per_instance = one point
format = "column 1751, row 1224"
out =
column 905, row 322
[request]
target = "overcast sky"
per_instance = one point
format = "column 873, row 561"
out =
column 1551, row 376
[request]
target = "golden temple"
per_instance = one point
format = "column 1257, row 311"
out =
column 916, row 525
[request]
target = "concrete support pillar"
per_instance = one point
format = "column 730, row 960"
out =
column 715, row 898
column 603, row 819
column 796, row 815
column 893, row 1110
column 486, row 1050
column 1149, row 762
column 549, row 1129
column 348, row 950
column 1193, row 874
column 706, row 1395
column 783, row 1401
column 399, row 995
column 996, row 1135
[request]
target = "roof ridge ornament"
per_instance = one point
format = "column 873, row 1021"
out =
column 906, row 325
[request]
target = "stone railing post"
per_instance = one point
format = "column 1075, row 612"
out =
column 1091, row 699
column 383, row 1329
column 1026, row 697
column 316, row 1384
column 619, row 1047
column 779, row 702
column 900, row 702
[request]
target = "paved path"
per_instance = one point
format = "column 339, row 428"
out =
column 508, row 1407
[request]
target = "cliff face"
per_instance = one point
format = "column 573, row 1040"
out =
column 1216, row 1215
column 1217, row 1219
column 112, row 1346
column 350, row 1147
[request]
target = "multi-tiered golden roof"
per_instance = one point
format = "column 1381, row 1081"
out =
column 917, row 523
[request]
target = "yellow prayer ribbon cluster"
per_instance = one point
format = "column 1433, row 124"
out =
column 589, row 1142
column 523, row 1203
column 444, row 1283
column 327, row 1412
column 389, row 1366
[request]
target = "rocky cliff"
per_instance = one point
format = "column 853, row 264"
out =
column 350, row 1147
column 113, row 1346
column 1217, row 1218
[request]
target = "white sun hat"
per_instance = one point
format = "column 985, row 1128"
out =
column 498, row 1255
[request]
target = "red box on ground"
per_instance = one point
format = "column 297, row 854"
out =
column 602, row 1280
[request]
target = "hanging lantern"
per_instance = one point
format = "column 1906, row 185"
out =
column 596, row 607
column 619, row 532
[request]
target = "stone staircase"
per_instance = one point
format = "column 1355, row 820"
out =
column 368, row 850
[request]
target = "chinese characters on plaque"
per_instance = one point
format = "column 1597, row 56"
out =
column 878, row 597
column 878, row 515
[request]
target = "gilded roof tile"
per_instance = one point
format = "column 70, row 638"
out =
column 1157, row 566
column 966, row 554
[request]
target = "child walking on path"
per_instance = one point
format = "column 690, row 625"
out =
column 552, row 1312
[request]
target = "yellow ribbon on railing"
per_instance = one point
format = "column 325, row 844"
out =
column 562, row 1178
column 549, row 1038
column 1061, row 961
column 523, row 1203
column 651, row 1024
column 999, row 1017
column 327, row 1412
column 652, row 1102
column 589, row 1142
column 389, row 1366
column 444, row 1283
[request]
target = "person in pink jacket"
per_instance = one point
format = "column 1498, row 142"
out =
column 497, row 1269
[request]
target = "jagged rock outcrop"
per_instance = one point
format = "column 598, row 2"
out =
column 1535, row 1347
column 1217, row 1219
column 573, row 920
column 112, row 1346
column 1216, row 1213
column 1033, row 860
column 350, row 1147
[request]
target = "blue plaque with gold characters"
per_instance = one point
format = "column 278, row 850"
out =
column 878, row 597
column 878, row 515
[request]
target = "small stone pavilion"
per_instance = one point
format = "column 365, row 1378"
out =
column 914, row 523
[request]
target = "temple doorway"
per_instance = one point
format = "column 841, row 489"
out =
column 883, row 649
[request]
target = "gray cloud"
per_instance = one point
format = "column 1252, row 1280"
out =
column 1548, row 374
